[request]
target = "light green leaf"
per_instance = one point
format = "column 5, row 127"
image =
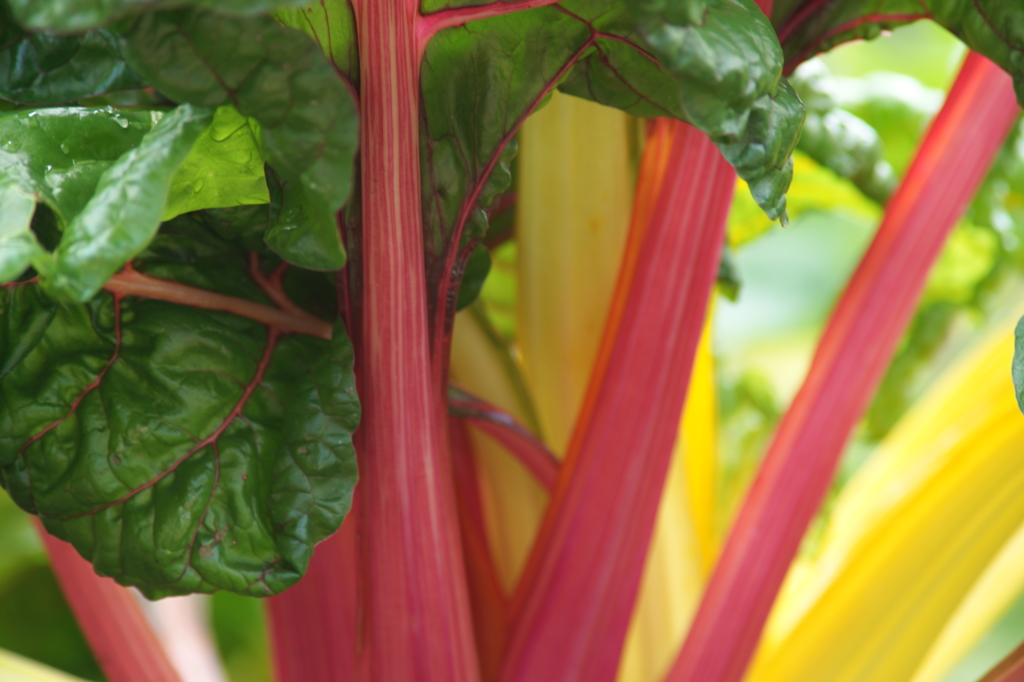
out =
column 224, row 169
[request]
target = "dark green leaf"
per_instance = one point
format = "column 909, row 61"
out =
column 279, row 77
column 78, row 15
column 729, row 69
column 45, row 69
column 123, row 215
column 477, row 266
column 179, row 449
column 995, row 28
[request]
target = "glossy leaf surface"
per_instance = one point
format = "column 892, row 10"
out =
column 727, row 61
column 277, row 76
column 178, row 449
column 123, row 215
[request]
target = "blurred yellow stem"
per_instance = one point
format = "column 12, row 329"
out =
column 14, row 668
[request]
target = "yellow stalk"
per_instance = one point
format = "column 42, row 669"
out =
column 909, row 536
column 14, row 668
column 572, row 215
column 684, row 545
column 993, row 594
column 513, row 500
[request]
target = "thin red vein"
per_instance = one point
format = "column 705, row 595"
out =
column 452, row 249
column 92, row 386
column 261, row 368
column 843, row 28
column 515, row 437
column 854, row 351
column 428, row 25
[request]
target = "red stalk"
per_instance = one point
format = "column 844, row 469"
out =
column 1010, row 669
column 490, row 607
column 853, row 353
column 418, row 624
column 313, row 624
column 577, row 596
column 117, row 631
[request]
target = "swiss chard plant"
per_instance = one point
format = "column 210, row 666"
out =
column 234, row 235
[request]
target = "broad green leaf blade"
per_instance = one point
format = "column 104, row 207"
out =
column 994, row 28
column 179, row 449
column 332, row 24
column 58, row 155
column 223, row 170
column 18, row 244
column 79, row 15
column 279, row 77
column 41, row 68
column 729, row 70
column 124, row 214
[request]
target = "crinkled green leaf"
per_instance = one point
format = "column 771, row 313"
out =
column 728, row 63
column 123, row 215
column 995, row 28
column 78, row 15
column 46, row 69
column 839, row 140
column 224, row 169
column 279, row 77
column 178, row 449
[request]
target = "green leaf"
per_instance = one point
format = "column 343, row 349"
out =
column 839, row 140
column 79, row 15
column 179, row 449
column 279, row 77
column 224, row 169
column 18, row 244
column 123, row 215
column 55, row 156
column 1017, row 370
column 332, row 24
column 728, row 63
column 994, row 28
column 478, row 265
column 41, row 68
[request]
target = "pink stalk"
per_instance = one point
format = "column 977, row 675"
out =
column 489, row 605
column 417, row 615
column 1010, row 669
column 854, row 351
column 313, row 624
column 117, row 631
column 577, row 596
